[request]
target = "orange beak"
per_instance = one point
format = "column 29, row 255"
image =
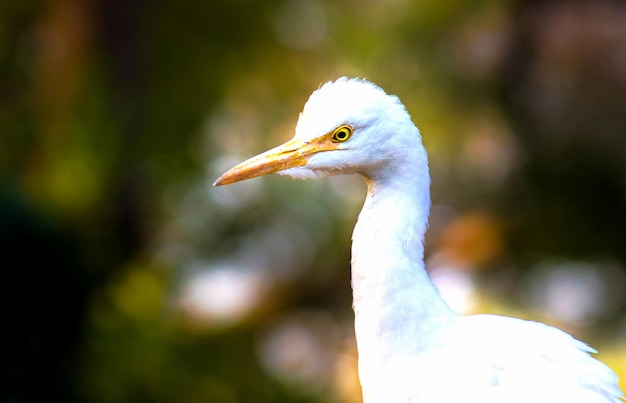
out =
column 293, row 153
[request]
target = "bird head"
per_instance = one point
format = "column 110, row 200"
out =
column 346, row 126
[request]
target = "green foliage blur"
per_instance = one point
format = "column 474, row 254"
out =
column 128, row 278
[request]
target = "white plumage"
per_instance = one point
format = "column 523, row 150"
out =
column 412, row 346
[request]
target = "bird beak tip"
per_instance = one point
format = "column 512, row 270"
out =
column 221, row 181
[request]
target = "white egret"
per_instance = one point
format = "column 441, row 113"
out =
column 412, row 347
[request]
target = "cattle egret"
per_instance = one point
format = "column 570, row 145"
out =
column 412, row 347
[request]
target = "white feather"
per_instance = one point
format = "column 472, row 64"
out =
column 412, row 347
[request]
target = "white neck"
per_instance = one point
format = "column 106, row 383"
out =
column 397, row 308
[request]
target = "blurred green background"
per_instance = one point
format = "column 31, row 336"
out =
column 128, row 278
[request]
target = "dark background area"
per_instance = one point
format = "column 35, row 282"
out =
column 128, row 278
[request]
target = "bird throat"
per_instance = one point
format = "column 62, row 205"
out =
column 397, row 308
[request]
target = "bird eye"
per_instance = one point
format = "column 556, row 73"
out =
column 342, row 133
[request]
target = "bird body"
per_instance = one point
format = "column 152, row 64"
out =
column 412, row 347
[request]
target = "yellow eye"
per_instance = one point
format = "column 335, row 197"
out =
column 342, row 133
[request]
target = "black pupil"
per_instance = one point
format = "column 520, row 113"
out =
column 341, row 134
